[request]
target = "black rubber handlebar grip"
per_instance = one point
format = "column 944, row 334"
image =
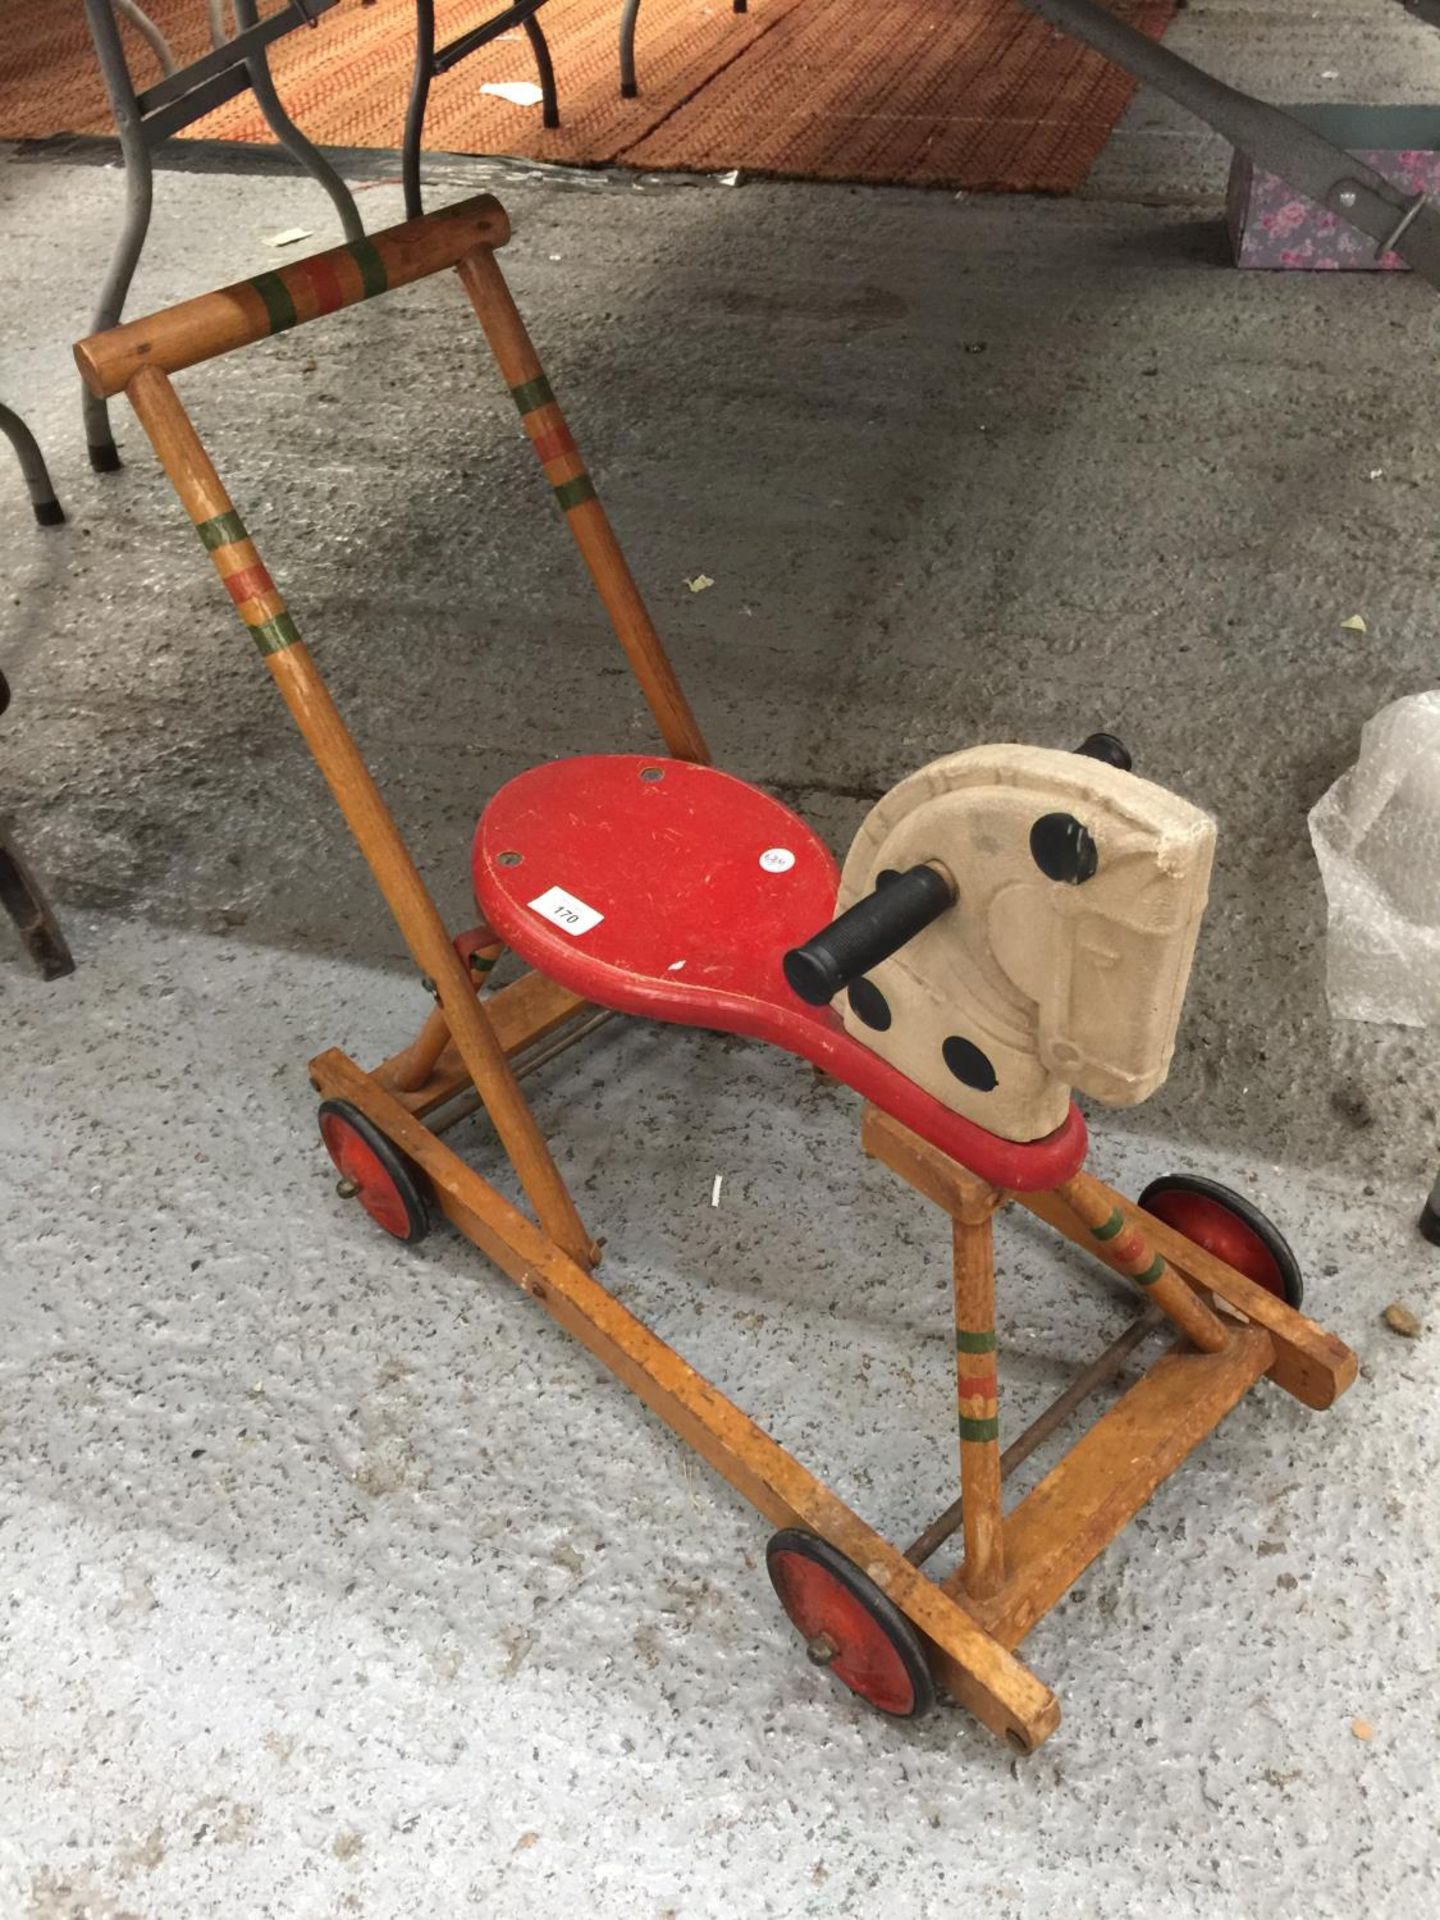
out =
column 867, row 933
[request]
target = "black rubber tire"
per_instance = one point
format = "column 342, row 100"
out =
column 411, row 1189
column 1291, row 1282
column 882, row 1611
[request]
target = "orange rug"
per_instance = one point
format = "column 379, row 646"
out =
column 958, row 93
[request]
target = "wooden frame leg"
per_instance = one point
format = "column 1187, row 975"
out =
column 1123, row 1244
column 27, row 906
column 1092, row 1493
column 1309, row 1363
column 978, row 1387
column 263, row 610
column 414, row 1066
column 529, row 1010
column 1094, row 1490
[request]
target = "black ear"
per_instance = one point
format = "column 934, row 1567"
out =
column 1106, row 747
column 1063, row 849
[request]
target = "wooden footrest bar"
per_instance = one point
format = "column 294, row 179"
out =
column 529, row 1009
column 1105, row 1479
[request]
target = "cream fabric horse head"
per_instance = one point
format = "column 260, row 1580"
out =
column 1064, row 961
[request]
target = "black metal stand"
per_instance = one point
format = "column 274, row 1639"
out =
column 629, row 86
column 48, row 510
column 26, row 905
column 430, row 61
column 180, row 97
column 1273, row 139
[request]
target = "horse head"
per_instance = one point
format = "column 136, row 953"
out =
column 1036, row 915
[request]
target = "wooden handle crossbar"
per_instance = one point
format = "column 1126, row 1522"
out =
column 219, row 322
column 263, row 610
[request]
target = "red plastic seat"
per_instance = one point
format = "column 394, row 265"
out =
column 662, row 888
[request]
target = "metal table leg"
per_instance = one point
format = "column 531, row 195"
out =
column 550, row 100
column 262, row 85
column 26, row 905
column 1275, row 140
column 628, row 20
column 104, row 457
column 415, row 112
column 629, row 86
column 430, row 61
column 183, row 95
column 48, row 510
column 150, row 33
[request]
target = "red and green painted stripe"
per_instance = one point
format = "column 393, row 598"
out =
column 978, row 1384
column 321, row 284
column 247, row 581
column 980, row 1427
column 1129, row 1249
column 555, row 449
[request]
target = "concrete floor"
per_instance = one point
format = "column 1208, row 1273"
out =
column 337, row 1581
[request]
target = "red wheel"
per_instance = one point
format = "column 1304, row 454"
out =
column 1226, row 1224
column 849, row 1625
column 388, row 1186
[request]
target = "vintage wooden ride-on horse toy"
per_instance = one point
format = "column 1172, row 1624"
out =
column 1011, row 922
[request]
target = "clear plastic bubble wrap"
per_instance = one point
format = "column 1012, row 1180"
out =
column 1377, row 838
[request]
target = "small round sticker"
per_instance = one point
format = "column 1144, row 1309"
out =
column 777, row 860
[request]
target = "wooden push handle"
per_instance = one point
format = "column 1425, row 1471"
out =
column 216, row 323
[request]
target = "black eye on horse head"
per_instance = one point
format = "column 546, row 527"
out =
column 1063, row 849
column 968, row 1064
column 869, row 1004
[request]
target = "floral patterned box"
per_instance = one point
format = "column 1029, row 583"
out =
column 1271, row 226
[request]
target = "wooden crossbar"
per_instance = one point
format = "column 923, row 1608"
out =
column 527, row 1010
column 236, row 316
column 1108, row 1475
